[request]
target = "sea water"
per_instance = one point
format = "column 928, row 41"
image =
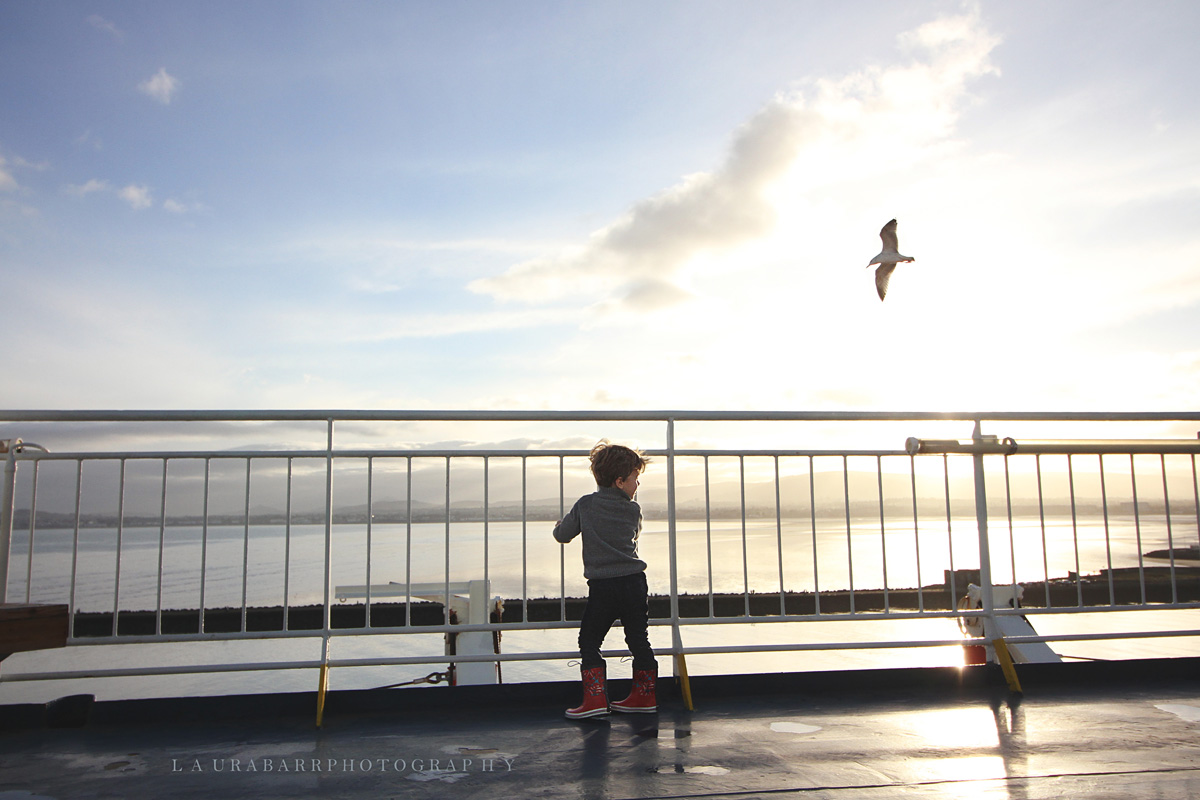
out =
column 270, row 565
column 221, row 566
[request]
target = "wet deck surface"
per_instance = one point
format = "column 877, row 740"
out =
column 876, row 735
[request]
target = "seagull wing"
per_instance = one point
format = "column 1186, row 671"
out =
column 881, row 277
column 888, row 235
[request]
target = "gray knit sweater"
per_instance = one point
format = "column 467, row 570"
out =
column 610, row 523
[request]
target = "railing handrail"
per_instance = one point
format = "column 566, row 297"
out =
column 1023, row 447
column 512, row 415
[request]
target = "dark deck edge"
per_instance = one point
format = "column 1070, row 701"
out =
column 299, row 708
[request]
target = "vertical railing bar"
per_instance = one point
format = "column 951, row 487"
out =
column 1112, row 589
column 712, row 608
column 849, row 535
column 327, row 610
column 446, row 570
column 408, row 541
column 812, row 510
column 912, row 471
column 120, row 539
column 370, row 526
column 1012, row 537
column 1137, row 525
column 1075, row 530
column 287, row 546
column 32, row 528
column 162, row 541
column 779, row 539
column 204, row 540
column 745, row 550
column 495, row 611
column 887, row 606
column 6, row 514
column 949, row 530
column 1170, row 536
column 562, row 551
column 327, row 615
column 524, row 539
column 1042, row 522
column 74, row 548
column 986, row 579
column 246, row 550
column 680, row 668
column 1196, row 499
column 486, row 520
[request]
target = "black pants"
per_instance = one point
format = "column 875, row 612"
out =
column 610, row 599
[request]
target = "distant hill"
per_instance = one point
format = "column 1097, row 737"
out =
column 725, row 501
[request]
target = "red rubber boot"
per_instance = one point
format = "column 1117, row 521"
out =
column 641, row 699
column 595, row 695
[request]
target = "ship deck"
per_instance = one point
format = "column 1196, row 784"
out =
column 1128, row 729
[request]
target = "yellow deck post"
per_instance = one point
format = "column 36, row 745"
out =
column 322, row 686
column 323, row 682
column 684, row 684
column 1006, row 663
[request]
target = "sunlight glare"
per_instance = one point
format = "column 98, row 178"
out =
column 957, row 728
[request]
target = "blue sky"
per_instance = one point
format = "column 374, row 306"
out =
column 599, row 205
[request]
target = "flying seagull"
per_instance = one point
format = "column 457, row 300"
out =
column 887, row 259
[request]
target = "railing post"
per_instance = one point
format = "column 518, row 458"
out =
column 985, row 555
column 673, row 549
column 6, row 512
column 991, row 631
column 672, row 544
column 323, row 679
column 328, row 521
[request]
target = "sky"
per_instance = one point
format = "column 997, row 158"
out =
column 599, row 205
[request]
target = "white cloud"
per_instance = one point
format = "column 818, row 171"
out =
column 162, row 86
column 832, row 131
column 647, row 246
column 175, row 205
column 326, row 326
column 7, row 182
column 93, row 185
column 88, row 140
column 36, row 166
column 138, row 197
column 101, row 24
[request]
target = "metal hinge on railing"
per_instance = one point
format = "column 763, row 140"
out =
column 18, row 446
column 993, row 445
column 986, row 445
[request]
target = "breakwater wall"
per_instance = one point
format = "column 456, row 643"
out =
column 1118, row 587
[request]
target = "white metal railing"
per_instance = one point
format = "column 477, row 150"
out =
column 747, row 534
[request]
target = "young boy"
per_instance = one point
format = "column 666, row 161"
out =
column 610, row 522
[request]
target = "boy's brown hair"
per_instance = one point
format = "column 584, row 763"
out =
column 612, row 461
